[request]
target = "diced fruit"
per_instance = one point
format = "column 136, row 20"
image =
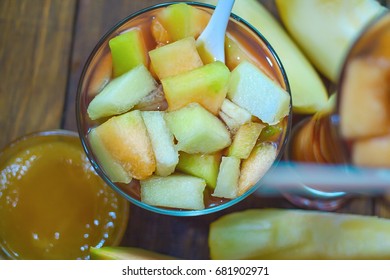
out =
column 125, row 253
column 245, row 139
column 126, row 139
column 233, row 115
column 234, row 54
column 128, row 50
column 256, row 165
column 206, row 85
column 175, row 191
column 154, row 101
column 204, row 166
column 181, row 21
column 251, row 89
column 197, row 130
column 175, row 58
column 161, row 138
column 298, row 234
column 308, row 97
column 271, row 132
column 160, row 34
column 372, row 152
column 114, row 170
column 228, row 175
column 325, row 30
column 365, row 100
column 122, row 93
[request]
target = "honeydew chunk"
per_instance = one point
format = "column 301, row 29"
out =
column 233, row 115
column 204, row 166
column 245, row 139
column 128, row 50
column 197, row 130
column 206, row 85
column 372, row 152
column 175, row 58
column 110, row 166
column 256, row 165
column 161, row 138
column 122, row 93
column 127, row 141
column 228, row 176
column 251, row 89
column 175, row 191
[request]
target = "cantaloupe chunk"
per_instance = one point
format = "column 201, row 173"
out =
column 206, row 85
column 245, row 139
column 175, row 58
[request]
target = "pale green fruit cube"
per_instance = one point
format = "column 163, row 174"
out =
column 122, row 93
column 245, row 139
column 253, row 90
column 228, row 176
column 164, row 149
column 197, row 130
column 175, row 191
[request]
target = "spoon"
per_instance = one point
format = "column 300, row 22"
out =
column 212, row 40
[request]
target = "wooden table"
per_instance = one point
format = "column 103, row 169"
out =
column 43, row 47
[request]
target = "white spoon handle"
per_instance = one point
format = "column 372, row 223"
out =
column 213, row 36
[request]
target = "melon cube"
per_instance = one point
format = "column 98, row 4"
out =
column 122, row 93
column 175, row 58
column 128, row 50
column 126, row 140
column 228, row 176
column 197, row 130
column 245, row 139
column 251, row 89
column 204, row 166
column 206, row 85
column 161, row 138
column 175, row 191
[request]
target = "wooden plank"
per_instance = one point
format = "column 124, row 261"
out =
column 35, row 42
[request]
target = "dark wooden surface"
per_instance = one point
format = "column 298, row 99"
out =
column 43, row 46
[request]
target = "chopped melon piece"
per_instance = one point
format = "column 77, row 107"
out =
column 228, row 175
column 122, row 93
column 175, row 58
column 127, row 141
column 164, row 149
column 206, row 85
column 175, row 191
column 245, row 139
column 298, row 234
column 128, row 50
column 204, row 166
column 197, row 130
column 251, row 89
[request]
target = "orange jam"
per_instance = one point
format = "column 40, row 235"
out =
column 52, row 203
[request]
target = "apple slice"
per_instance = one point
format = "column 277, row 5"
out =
column 206, row 85
column 245, row 139
column 122, row 93
column 233, row 115
column 175, row 58
column 128, row 50
column 256, row 165
column 228, row 176
column 126, row 140
column 161, row 138
column 251, row 89
column 197, row 130
column 204, row 166
column 175, row 191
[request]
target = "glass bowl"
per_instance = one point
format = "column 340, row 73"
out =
column 53, row 205
column 258, row 47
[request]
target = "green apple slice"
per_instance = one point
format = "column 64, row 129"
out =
column 251, row 89
column 197, row 130
column 204, row 166
column 122, row 93
column 175, row 191
column 161, row 138
column 128, row 50
column 228, row 176
column 245, row 139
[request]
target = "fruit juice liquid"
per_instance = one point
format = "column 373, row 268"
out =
column 250, row 44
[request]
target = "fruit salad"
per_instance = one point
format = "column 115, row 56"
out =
column 172, row 129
